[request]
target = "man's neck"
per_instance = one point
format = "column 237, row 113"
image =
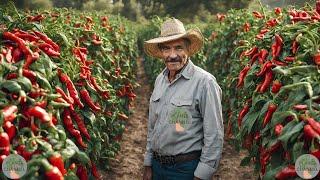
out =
column 172, row 74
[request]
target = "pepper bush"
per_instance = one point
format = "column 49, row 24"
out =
column 67, row 81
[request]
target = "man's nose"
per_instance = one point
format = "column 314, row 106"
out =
column 173, row 54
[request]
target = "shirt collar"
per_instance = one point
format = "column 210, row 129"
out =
column 186, row 72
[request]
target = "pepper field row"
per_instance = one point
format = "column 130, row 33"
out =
column 66, row 86
column 267, row 65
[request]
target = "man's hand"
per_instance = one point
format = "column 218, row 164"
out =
column 196, row 178
column 147, row 174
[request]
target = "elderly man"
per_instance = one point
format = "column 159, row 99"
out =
column 185, row 125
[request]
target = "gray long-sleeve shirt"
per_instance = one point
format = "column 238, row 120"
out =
column 186, row 115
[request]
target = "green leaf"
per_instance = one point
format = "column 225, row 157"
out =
column 289, row 130
column 82, row 157
column 297, row 150
column 245, row 161
column 271, row 174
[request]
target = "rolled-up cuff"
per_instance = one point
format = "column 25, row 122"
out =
column 147, row 159
column 204, row 171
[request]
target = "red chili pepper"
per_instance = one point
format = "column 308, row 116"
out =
column 96, row 86
column 272, row 22
column 48, row 49
column 21, row 149
column 82, row 172
column 64, row 95
column 242, row 75
column 279, row 63
column 252, row 51
column 2, row 157
column 254, row 58
column 294, row 47
column 30, row 75
column 57, row 161
column 20, row 42
column 257, row 136
column 12, row 76
column 52, row 172
column 246, row 27
column 318, row 7
column 265, row 68
column 26, row 36
column 316, row 153
column 286, row 173
column 46, row 39
column 4, row 143
column 289, row 59
column 300, row 107
column 316, row 58
column 276, row 86
column 86, row 97
column 95, row 171
column 277, row 11
column 10, row 129
column 242, row 113
column 9, row 113
column 271, row 109
column 71, row 88
column 42, row 104
column 278, row 39
column 267, row 81
column 39, row 113
column 80, row 123
column 257, row 14
column 310, row 132
column 17, row 54
column 314, row 124
column 278, row 129
column 67, row 121
column 263, row 55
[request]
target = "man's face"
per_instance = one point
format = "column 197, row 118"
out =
column 175, row 54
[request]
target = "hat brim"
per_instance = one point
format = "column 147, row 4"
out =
column 194, row 35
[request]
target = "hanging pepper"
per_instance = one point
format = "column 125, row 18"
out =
column 80, row 123
column 251, row 52
column 276, row 86
column 46, row 39
column 271, row 109
column 86, row 97
column 279, row 63
column 254, row 58
column 57, row 161
column 314, row 124
column 267, row 80
column 289, row 59
column 67, row 121
column 266, row 67
column 242, row 75
column 257, row 14
column 95, row 171
column 39, row 113
column 82, row 172
column 242, row 113
column 300, row 107
column 263, row 55
column 4, row 143
column 10, row 129
column 51, row 172
column 71, row 88
column 294, row 47
column 64, row 95
column 9, row 113
column 310, row 132
column 286, row 173
column 278, row 129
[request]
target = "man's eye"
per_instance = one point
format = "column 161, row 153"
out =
column 179, row 48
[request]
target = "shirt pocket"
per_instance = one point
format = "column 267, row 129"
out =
column 180, row 114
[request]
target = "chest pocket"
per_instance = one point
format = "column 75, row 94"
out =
column 180, row 113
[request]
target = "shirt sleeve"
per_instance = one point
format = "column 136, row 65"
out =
column 213, row 130
column 148, row 153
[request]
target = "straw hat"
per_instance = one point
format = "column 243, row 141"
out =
column 173, row 29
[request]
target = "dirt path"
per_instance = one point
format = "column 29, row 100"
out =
column 129, row 162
